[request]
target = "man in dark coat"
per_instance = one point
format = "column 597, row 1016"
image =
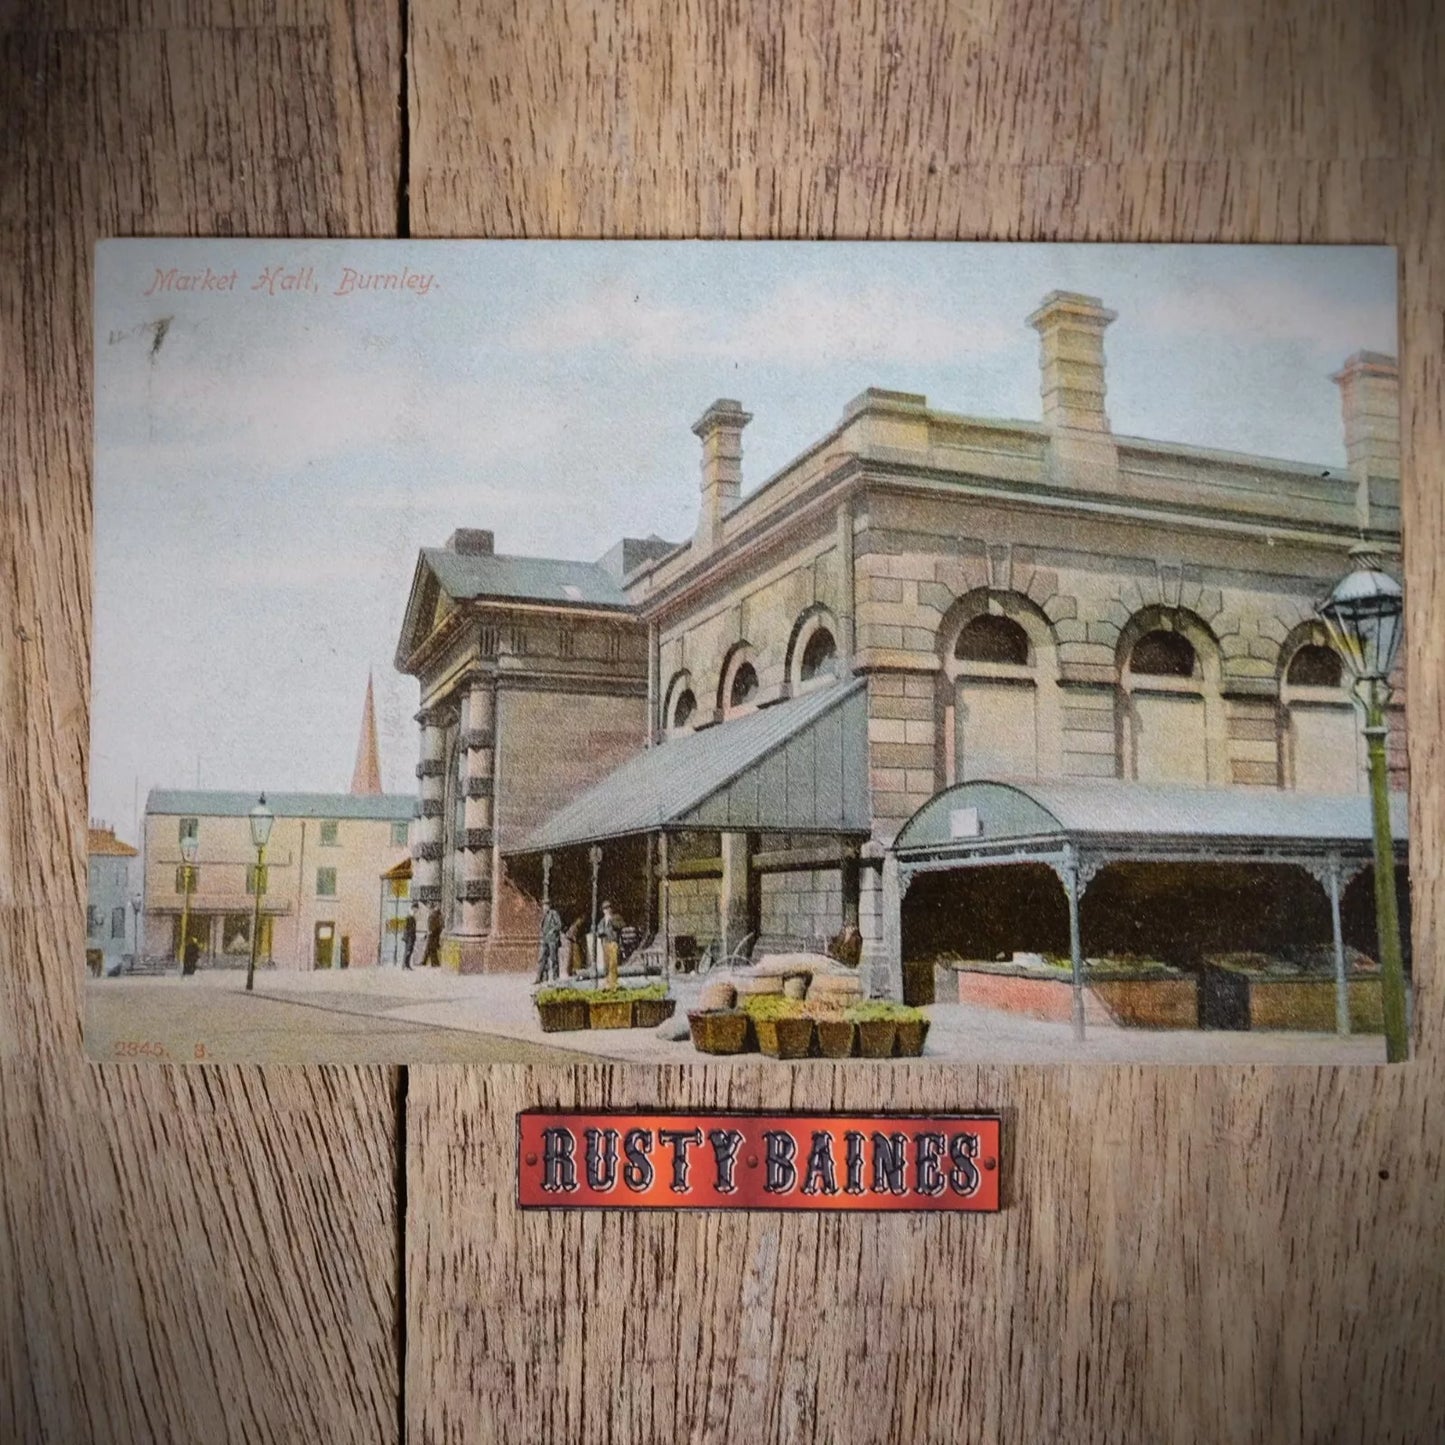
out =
column 550, row 946
column 433, row 956
column 190, row 957
column 408, row 936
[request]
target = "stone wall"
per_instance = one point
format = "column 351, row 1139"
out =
column 802, row 905
column 692, row 908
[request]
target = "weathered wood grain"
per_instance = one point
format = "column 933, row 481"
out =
column 1193, row 1254
column 185, row 1255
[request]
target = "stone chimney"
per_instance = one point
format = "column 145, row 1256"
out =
column 1369, row 384
column 470, row 542
column 721, row 430
column 1071, row 361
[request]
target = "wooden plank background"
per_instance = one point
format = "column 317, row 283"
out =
column 331, row 1254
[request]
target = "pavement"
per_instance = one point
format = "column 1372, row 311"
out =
column 387, row 1016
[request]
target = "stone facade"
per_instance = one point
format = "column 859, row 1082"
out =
column 1026, row 599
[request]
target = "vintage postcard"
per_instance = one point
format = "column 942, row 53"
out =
column 705, row 652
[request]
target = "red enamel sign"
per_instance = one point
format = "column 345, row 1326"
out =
column 758, row 1161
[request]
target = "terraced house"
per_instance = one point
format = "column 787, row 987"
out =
column 727, row 736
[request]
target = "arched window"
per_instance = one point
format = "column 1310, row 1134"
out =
column 744, row 686
column 683, row 707
column 990, row 638
column 820, row 656
column 1163, row 654
column 1320, row 739
column 1002, row 715
column 1315, row 666
column 1170, row 708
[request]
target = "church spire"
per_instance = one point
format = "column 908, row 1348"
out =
column 367, row 777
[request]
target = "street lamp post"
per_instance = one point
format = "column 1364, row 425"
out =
column 1365, row 616
column 261, row 820
column 594, row 858
column 135, row 908
column 188, row 879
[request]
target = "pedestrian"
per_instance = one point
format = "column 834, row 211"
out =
column 433, row 955
column 190, row 957
column 408, row 936
column 609, row 943
column 550, row 945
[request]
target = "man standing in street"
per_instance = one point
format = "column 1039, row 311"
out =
column 609, row 943
column 432, row 958
column 408, row 937
column 550, row 947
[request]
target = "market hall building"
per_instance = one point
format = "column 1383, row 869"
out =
column 735, row 729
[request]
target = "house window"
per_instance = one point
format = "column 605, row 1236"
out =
column 236, row 933
column 251, row 874
column 326, row 883
column 117, row 922
column 1315, row 666
column 991, row 638
column 329, row 830
column 181, row 878
column 92, row 921
column 745, row 686
column 190, row 828
column 1163, row 654
column 819, row 656
column 399, row 834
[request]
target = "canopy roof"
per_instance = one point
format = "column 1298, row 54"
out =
column 1116, row 817
column 800, row 766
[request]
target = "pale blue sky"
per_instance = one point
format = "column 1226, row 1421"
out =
column 265, row 475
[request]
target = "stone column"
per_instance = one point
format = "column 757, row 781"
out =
column 426, row 847
column 733, row 891
column 474, row 845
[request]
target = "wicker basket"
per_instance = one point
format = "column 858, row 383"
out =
column 784, row 1038
column 565, row 1017
column 648, row 1013
column 610, row 1015
column 911, row 1034
column 718, row 1031
column 875, row 1038
column 836, row 1038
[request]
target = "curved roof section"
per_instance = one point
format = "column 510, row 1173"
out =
column 984, row 812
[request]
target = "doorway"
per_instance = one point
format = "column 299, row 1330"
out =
column 325, row 945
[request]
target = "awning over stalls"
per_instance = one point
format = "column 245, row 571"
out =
column 797, row 767
column 1106, row 821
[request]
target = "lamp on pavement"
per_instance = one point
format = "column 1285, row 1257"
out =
column 189, row 846
column 136, row 902
column 261, row 818
column 1365, row 616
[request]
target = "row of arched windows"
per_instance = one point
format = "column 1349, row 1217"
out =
column 1163, row 720
column 812, row 659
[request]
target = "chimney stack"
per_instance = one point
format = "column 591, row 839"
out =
column 470, row 542
column 1082, row 451
column 721, row 430
column 1369, row 384
column 1071, row 357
